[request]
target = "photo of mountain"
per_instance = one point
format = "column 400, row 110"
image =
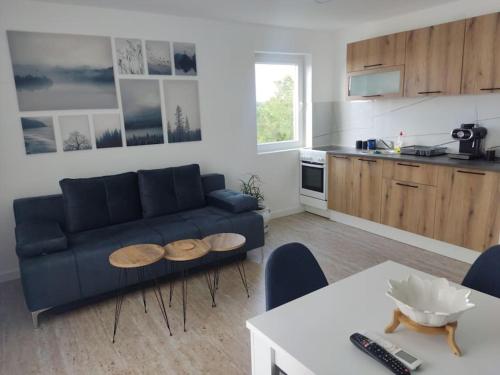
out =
column 141, row 111
column 75, row 132
column 38, row 135
column 158, row 58
column 107, row 130
column 62, row 71
column 183, row 110
column 129, row 56
column 185, row 59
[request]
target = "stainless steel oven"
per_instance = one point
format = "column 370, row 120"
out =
column 313, row 174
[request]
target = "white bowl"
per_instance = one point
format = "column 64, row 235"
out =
column 432, row 303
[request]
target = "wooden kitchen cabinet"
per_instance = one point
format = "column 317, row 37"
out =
column 408, row 206
column 481, row 67
column 339, row 183
column 384, row 51
column 433, row 64
column 467, row 208
column 366, row 188
column 411, row 172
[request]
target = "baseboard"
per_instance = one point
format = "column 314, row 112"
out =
column 451, row 251
column 286, row 212
column 9, row 275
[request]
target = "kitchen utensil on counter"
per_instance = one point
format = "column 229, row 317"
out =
column 364, row 145
column 491, row 155
column 423, row 150
column 372, row 144
column 470, row 137
column 359, row 145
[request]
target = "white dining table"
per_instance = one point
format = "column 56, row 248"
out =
column 310, row 335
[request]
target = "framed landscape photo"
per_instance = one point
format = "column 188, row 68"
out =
column 38, row 135
column 75, row 132
column 185, row 59
column 107, row 130
column 129, row 56
column 62, row 71
column 183, row 110
column 158, row 58
column 141, row 111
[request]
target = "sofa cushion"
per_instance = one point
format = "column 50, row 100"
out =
column 100, row 201
column 232, row 201
column 41, row 237
column 92, row 249
column 157, row 191
column 208, row 220
column 170, row 190
column 188, row 187
column 173, row 228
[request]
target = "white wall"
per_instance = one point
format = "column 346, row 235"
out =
column 426, row 121
column 225, row 54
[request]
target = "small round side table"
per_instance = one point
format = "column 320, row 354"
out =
column 224, row 242
column 179, row 252
column 137, row 257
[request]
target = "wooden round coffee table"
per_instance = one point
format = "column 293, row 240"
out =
column 137, row 257
column 221, row 243
column 184, row 251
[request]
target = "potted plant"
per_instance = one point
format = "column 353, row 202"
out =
column 252, row 187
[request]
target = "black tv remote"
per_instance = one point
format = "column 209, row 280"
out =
column 375, row 351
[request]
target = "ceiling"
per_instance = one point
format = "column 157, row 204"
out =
column 308, row 14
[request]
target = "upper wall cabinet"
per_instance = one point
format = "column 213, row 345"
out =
column 481, row 70
column 433, row 62
column 379, row 52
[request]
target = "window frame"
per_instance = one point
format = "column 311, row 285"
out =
column 298, row 60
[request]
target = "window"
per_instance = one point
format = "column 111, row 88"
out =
column 279, row 89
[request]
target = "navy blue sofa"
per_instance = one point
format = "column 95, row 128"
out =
column 64, row 241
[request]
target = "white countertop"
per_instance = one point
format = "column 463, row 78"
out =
column 315, row 329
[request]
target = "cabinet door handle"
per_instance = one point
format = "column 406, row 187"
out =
column 407, row 185
column 368, row 160
column 491, row 89
column 372, row 65
column 371, row 96
column 409, row 165
column 429, row 92
column 470, row 172
column 339, row 157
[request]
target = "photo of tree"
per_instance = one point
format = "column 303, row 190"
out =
column 183, row 111
column 141, row 111
column 158, row 58
column 129, row 56
column 107, row 130
column 62, row 71
column 185, row 59
column 75, row 133
column 38, row 135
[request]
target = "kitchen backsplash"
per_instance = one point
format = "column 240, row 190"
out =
column 425, row 121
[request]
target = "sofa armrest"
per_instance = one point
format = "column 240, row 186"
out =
column 212, row 182
column 232, row 201
column 40, row 237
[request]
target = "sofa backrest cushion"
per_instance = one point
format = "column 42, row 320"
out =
column 100, row 201
column 169, row 190
column 188, row 187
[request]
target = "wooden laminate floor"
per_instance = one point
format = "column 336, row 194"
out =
column 79, row 341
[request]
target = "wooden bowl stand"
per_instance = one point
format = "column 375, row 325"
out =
column 448, row 329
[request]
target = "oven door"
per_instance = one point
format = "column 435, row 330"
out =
column 313, row 180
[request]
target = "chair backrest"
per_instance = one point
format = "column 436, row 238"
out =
column 484, row 274
column 291, row 272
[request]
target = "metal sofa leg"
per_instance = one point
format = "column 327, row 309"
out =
column 34, row 316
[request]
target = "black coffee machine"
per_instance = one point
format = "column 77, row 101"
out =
column 471, row 145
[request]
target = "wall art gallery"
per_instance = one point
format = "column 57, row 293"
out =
column 80, row 76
